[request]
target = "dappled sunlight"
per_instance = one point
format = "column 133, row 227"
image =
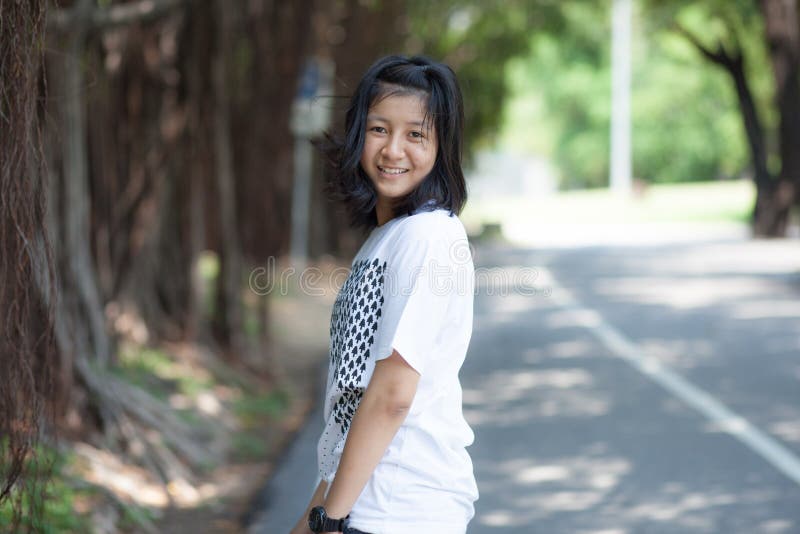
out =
column 733, row 276
column 678, row 508
column 713, row 311
column 764, row 257
column 775, row 526
column 642, row 472
column 765, row 309
column 679, row 292
column 500, row 518
column 511, row 397
column 125, row 479
column 518, row 381
column 588, row 493
column 183, row 274
column 652, row 464
column 507, row 309
column 787, row 430
column 677, row 505
column 565, row 501
column 510, row 279
column 535, row 488
column 572, row 318
column 589, row 473
column 513, row 292
column 555, row 405
column 542, row 473
column 681, row 353
column 572, row 348
column 731, row 425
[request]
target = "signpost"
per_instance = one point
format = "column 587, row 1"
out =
column 620, row 179
column 311, row 116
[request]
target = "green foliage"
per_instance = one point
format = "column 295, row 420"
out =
column 157, row 372
column 133, row 517
column 57, row 506
column 536, row 79
column 734, row 25
column 208, row 269
column 252, row 409
column 686, row 120
column 476, row 38
column 249, row 446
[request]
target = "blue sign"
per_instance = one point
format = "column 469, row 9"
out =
column 309, row 80
column 311, row 109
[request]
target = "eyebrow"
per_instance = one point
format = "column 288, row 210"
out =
column 381, row 119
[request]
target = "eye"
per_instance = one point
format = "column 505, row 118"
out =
column 378, row 129
column 417, row 135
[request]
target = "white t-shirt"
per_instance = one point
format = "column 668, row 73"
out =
column 410, row 288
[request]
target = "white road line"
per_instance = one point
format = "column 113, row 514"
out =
column 723, row 417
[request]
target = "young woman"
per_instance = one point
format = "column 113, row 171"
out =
column 392, row 457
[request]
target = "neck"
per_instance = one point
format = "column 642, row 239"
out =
column 383, row 213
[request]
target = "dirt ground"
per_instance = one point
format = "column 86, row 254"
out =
column 300, row 320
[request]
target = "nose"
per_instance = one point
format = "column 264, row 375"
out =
column 393, row 148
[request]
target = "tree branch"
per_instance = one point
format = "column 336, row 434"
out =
column 62, row 20
column 721, row 56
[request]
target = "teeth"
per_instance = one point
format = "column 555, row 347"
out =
column 392, row 171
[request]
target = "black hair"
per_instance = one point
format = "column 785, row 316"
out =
column 444, row 186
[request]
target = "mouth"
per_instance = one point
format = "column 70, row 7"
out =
column 392, row 171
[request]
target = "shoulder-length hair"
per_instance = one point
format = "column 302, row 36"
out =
column 445, row 186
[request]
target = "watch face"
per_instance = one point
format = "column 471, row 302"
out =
column 316, row 518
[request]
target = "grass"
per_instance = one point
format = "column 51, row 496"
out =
column 181, row 383
column 249, row 446
column 729, row 201
column 253, row 409
column 63, row 496
column 163, row 375
column 58, row 512
column 159, row 373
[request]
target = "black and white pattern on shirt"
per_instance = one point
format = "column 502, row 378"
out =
column 354, row 320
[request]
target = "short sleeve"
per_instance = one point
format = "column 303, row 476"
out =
column 418, row 288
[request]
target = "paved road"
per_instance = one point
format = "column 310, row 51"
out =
column 629, row 389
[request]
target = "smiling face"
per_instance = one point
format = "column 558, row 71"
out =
column 399, row 150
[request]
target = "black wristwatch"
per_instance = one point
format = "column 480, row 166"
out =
column 318, row 521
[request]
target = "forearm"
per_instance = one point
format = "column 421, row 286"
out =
column 374, row 425
column 318, row 499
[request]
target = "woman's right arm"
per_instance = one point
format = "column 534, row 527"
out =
column 318, row 499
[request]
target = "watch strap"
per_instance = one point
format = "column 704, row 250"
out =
column 333, row 525
column 323, row 523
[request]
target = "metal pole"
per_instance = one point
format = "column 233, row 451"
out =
column 300, row 203
column 620, row 179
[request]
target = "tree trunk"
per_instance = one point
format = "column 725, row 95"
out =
column 364, row 31
column 27, row 275
column 230, row 280
column 782, row 23
column 195, row 68
column 770, row 216
column 77, row 205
